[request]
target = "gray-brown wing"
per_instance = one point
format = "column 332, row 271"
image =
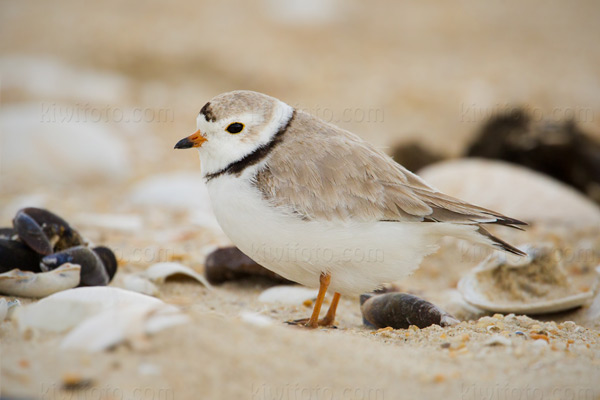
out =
column 321, row 172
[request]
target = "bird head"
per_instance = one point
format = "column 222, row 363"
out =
column 233, row 125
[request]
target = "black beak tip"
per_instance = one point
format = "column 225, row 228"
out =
column 184, row 143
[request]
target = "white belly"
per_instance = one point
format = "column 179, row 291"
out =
column 359, row 256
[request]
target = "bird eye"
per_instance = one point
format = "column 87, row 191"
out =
column 235, row 127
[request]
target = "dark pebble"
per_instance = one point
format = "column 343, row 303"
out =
column 229, row 264
column 400, row 310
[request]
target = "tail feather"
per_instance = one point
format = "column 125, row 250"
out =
column 499, row 243
column 476, row 234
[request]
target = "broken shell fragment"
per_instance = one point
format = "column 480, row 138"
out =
column 16, row 255
column 537, row 284
column 229, row 263
column 65, row 310
column 140, row 284
column 93, row 272
column 30, row 284
column 117, row 324
column 7, row 307
column 401, row 310
column 161, row 271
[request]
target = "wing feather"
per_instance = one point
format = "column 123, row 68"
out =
column 321, row 172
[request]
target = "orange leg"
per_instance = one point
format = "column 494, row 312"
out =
column 314, row 320
column 330, row 316
column 324, row 280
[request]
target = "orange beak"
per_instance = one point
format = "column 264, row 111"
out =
column 194, row 140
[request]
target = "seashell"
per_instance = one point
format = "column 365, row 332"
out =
column 139, row 284
column 498, row 340
column 533, row 197
column 30, row 284
column 229, row 263
column 66, row 309
column 122, row 323
column 293, row 295
column 537, row 284
column 255, row 319
column 108, row 259
column 16, row 255
column 30, row 232
column 401, row 310
column 3, row 309
column 161, row 271
column 93, row 272
column 7, row 308
column 44, row 231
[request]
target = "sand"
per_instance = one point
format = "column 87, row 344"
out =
column 389, row 72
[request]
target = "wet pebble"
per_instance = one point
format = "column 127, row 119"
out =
column 401, row 310
column 229, row 263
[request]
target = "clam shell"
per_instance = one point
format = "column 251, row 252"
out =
column 64, row 310
column 7, row 307
column 516, row 191
column 139, row 284
column 161, row 271
column 536, row 284
column 117, row 324
column 41, row 284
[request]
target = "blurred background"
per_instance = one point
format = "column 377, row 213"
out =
column 93, row 95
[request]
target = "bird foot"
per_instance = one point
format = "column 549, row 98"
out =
column 305, row 323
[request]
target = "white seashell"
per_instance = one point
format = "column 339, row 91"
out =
column 513, row 190
column 40, row 284
column 161, row 271
column 3, row 309
column 498, row 340
column 499, row 284
column 131, row 323
column 7, row 308
column 140, row 284
column 287, row 294
column 64, row 310
column 256, row 319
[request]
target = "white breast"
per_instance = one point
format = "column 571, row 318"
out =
column 359, row 256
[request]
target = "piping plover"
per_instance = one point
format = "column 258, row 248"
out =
column 317, row 204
